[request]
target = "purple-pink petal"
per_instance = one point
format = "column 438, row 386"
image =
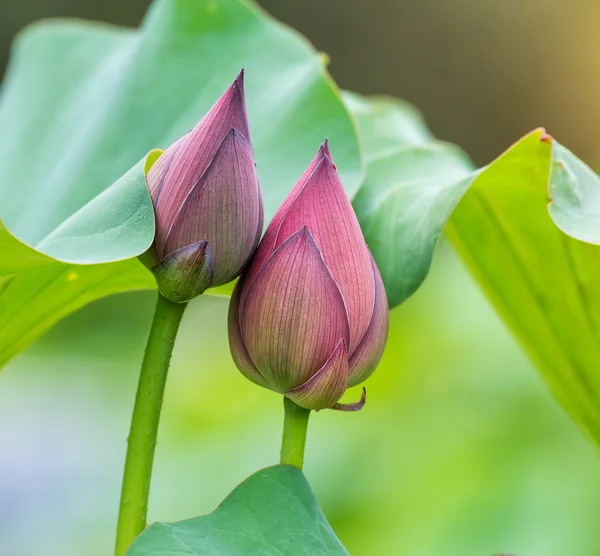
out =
column 224, row 208
column 267, row 244
column 236, row 342
column 353, row 406
column 183, row 163
column 367, row 355
column 323, row 206
column 327, row 385
column 160, row 169
column 294, row 314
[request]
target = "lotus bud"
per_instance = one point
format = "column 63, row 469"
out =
column 207, row 202
column 309, row 317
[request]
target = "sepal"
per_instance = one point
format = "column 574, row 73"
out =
column 185, row 273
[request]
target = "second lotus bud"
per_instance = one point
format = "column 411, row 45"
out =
column 207, row 202
column 309, row 316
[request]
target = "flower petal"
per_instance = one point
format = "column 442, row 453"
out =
column 267, row 245
column 323, row 206
column 327, row 385
column 224, row 208
column 236, row 342
column 155, row 177
column 355, row 406
column 181, row 166
column 294, row 314
column 185, row 273
column 367, row 355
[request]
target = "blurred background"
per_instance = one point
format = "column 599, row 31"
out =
column 483, row 72
column 460, row 451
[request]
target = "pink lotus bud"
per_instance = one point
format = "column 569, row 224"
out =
column 309, row 316
column 207, row 202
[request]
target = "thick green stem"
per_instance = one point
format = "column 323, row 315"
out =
column 144, row 423
column 294, row 433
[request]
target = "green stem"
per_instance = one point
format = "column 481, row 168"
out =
column 294, row 433
column 144, row 422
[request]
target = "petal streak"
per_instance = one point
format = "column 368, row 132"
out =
column 294, row 314
column 224, row 208
column 327, row 385
column 323, row 206
column 367, row 355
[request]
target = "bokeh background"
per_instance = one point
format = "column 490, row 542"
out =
column 460, row 450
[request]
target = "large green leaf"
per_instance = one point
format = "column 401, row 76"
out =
column 540, row 279
column 84, row 102
column 272, row 513
column 413, row 184
column 525, row 225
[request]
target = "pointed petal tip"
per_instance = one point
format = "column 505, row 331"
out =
column 310, row 239
column 303, row 234
column 322, row 171
column 341, row 346
column 356, row 406
column 324, row 153
column 234, row 134
column 238, row 82
column 234, row 94
column 232, row 140
column 325, row 164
